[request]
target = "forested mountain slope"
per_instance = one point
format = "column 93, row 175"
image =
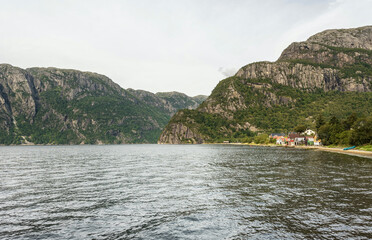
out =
column 330, row 73
column 61, row 106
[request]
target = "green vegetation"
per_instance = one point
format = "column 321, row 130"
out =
column 97, row 112
column 301, row 108
column 78, row 107
column 360, row 68
column 180, row 100
column 9, row 137
column 107, row 119
column 309, row 62
column 261, row 139
column 264, row 105
column 300, row 128
column 208, row 125
column 367, row 147
column 270, row 108
column 75, row 107
column 319, row 121
column 351, row 51
column 357, row 70
column 350, row 131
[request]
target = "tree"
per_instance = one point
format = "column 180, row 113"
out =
column 324, row 134
column 344, row 137
column 362, row 131
column 348, row 123
column 335, row 128
column 261, row 139
column 319, row 121
column 334, row 121
column 300, row 128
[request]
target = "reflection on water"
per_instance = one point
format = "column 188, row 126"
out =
column 183, row 192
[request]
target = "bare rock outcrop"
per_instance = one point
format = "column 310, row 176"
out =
column 179, row 134
column 348, row 38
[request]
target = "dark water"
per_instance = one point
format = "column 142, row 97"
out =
column 183, row 192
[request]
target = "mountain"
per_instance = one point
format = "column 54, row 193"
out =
column 330, row 73
column 168, row 102
column 61, row 106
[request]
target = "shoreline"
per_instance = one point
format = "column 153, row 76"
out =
column 351, row 152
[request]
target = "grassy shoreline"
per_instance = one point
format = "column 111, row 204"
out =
column 352, row 152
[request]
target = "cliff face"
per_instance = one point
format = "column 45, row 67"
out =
column 306, row 77
column 334, row 64
column 60, row 106
column 180, row 134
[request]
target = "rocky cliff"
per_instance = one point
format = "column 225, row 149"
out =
column 61, row 106
column 331, row 72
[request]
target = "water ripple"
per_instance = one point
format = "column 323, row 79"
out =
column 183, row 192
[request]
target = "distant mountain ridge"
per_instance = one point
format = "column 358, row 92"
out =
column 330, row 73
column 168, row 102
column 62, row 106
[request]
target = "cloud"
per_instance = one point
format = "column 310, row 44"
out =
column 227, row 72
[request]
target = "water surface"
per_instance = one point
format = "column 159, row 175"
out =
column 183, row 192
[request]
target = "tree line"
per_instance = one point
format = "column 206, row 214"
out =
column 351, row 130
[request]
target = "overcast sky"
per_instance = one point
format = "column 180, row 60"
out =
column 164, row 45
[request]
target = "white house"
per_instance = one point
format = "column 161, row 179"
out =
column 299, row 140
column 309, row 132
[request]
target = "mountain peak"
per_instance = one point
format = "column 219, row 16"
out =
column 360, row 37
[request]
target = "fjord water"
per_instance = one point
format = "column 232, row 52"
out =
column 183, row 192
